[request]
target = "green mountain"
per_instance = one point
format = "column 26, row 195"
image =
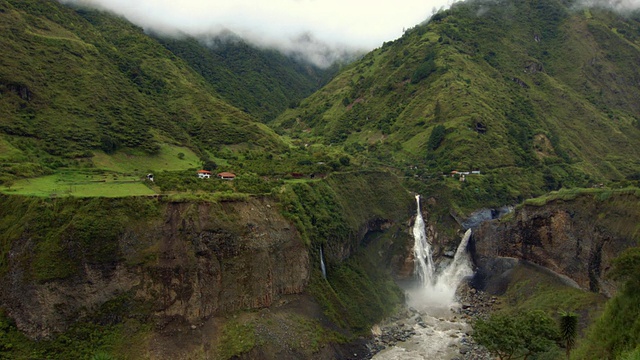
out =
column 536, row 95
column 262, row 82
column 78, row 84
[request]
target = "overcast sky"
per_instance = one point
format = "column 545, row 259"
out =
column 341, row 24
column 333, row 25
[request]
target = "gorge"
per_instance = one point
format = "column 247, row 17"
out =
column 518, row 122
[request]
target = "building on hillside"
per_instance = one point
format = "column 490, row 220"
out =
column 227, row 176
column 204, row 174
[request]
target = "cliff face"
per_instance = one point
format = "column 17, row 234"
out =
column 192, row 262
column 184, row 278
column 577, row 237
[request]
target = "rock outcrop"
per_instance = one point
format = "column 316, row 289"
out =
column 577, row 238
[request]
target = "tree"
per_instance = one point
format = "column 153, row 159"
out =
column 568, row 330
column 517, row 336
column 209, row 165
column 436, row 137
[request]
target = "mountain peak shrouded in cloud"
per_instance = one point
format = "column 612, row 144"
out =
column 319, row 30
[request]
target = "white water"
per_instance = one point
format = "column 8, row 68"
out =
column 434, row 298
column 423, row 260
column 436, row 289
column 322, row 266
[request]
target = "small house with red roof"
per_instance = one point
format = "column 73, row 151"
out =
column 227, row 175
column 204, row 174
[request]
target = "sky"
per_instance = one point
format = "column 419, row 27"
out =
column 334, row 25
column 320, row 30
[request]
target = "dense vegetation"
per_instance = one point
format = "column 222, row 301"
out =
column 330, row 215
column 261, row 82
column 616, row 333
column 102, row 86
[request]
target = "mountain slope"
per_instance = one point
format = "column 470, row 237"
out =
column 72, row 86
column 535, row 94
column 261, row 82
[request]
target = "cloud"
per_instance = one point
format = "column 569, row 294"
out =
column 318, row 29
column 620, row 6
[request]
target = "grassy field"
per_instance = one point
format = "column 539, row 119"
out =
column 115, row 175
column 138, row 162
column 80, row 184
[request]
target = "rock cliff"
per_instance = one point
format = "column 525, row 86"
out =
column 191, row 277
column 194, row 261
column 577, row 237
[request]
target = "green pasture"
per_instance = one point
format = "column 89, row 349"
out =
column 134, row 161
column 80, row 184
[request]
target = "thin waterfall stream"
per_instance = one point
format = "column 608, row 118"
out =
column 437, row 332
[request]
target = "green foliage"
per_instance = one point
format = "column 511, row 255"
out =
column 235, row 339
column 112, row 88
column 102, row 356
column 521, row 335
column 67, row 232
column 260, row 82
column 568, row 330
column 329, row 214
column 437, row 135
column 617, row 331
column 425, row 69
column 84, row 340
column 631, row 355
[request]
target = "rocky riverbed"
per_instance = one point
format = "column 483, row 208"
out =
column 434, row 333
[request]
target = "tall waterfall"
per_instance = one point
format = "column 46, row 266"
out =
column 436, row 288
column 423, row 266
column 323, row 268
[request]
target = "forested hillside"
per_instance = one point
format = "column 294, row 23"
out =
column 536, row 95
column 262, row 82
column 74, row 84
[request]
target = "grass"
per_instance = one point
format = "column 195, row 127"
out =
column 139, row 162
column 80, row 184
column 600, row 194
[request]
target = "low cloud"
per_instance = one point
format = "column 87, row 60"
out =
column 319, row 30
column 620, row 6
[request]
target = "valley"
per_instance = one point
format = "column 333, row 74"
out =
column 513, row 126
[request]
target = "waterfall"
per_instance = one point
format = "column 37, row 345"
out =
column 438, row 334
column 423, row 260
column 436, row 289
column 322, row 267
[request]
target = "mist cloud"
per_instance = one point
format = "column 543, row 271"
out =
column 334, row 27
column 620, row 6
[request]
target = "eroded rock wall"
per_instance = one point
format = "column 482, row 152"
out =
column 578, row 238
column 194, row 261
